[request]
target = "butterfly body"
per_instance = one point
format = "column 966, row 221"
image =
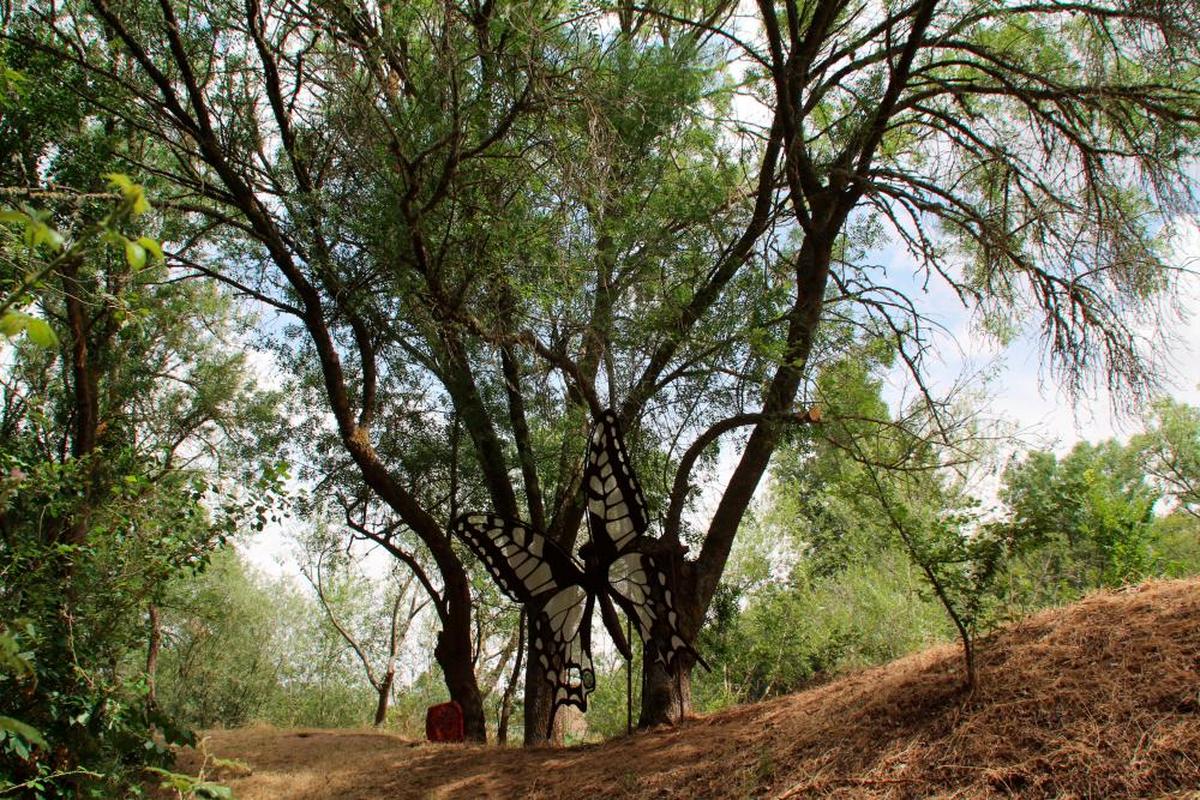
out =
column 618, row 571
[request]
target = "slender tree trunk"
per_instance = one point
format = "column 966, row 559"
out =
column 385, row 695
column 506, row 702
column 152, row 660
column 84, row 388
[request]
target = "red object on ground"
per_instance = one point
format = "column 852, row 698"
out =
column 444, row 723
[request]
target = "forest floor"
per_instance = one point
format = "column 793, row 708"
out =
column 1100, row 699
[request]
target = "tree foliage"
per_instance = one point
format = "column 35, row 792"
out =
column 1169, row 450
column 1079, row 522
column 124, row 409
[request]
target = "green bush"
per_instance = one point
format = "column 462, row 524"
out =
column 784, row 636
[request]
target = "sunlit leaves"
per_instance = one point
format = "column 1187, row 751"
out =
column 13, row 323
column 37, row 231
column 133, row 194
column 21, row 734
column 191, row 786
column 15, row 735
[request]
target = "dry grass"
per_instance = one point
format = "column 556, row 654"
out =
column 1098, row 700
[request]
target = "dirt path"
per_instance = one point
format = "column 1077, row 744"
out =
column 1098, row 700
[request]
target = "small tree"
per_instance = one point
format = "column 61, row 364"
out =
column 960, row 559
column 354, row 607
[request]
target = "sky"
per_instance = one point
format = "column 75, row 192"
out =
column 1025, row 392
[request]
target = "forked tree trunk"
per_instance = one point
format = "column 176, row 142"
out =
column 385, row 695
column 667, row 698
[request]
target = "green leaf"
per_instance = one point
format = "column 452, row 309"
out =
column 39, row 233
column 152, row 247
column 190, row 785
column 40, row 332
column 12, row 323
column 118, row 180
column 8, row 215
column 140, row 204
column 26, row 732
column 12, row 660
column 130, row 191
column 54, row 239
column 135, row 254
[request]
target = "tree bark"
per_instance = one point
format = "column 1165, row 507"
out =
column 506, row 701
column 459, row 672
column 85, row 408
column 152, row 660
column 385, row 695
column 666, row 698
column 537, row 702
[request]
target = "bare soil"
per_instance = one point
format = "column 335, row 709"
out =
column 1097, row 700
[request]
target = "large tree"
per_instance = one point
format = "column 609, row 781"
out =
column 376, row 162
column 499, row 218
column 1026, row 155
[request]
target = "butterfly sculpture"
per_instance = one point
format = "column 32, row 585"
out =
column 560, row 593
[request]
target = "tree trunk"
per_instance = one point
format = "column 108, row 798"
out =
column 506, row 702
column 152, row 660
column 459, row 673
column 537, row 700
column 454, row 645
column 85, row 407
column 666, row 698
column 385, row 695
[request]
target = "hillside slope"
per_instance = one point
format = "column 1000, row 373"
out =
column 1100, row 699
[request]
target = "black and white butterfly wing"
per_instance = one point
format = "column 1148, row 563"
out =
column 562, row 644
column 642, row 589
column 524, row 563
column 536, row 572
column 617, row 521
column 616, row 507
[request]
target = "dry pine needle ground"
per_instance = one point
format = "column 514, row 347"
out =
column 1097, row 700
